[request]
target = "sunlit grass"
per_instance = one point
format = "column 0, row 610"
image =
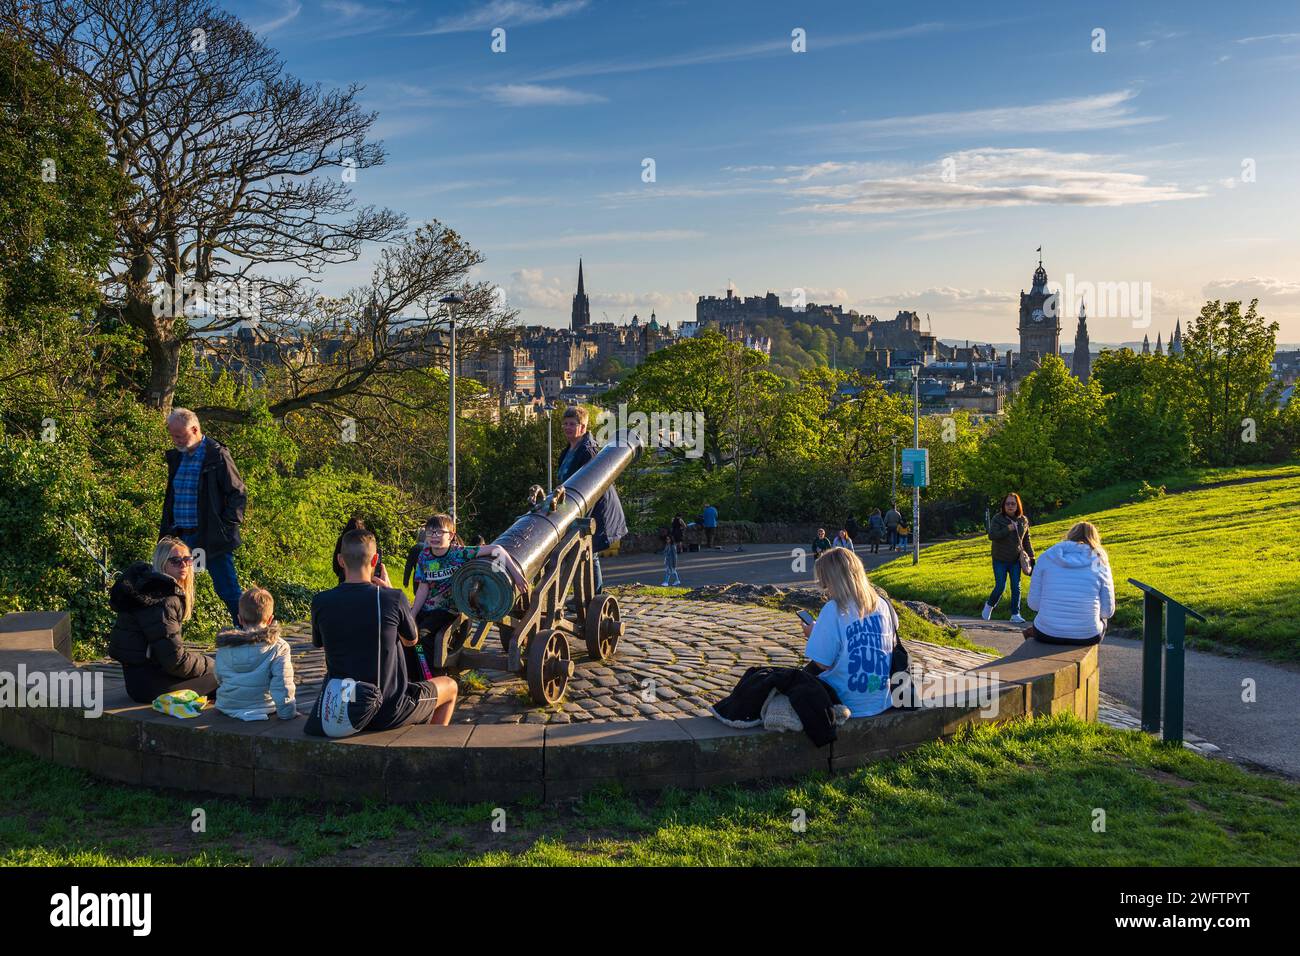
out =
column 1230, row 553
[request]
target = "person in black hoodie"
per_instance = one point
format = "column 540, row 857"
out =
column 152, row 603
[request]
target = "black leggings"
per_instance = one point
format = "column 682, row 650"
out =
column 1081, row 642
column 144, row 683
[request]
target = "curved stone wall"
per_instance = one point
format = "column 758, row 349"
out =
column 134, row 744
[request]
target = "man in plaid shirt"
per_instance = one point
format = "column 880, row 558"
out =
column 205, row 502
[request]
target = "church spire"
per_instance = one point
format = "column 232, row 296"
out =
column 1176, row 343
column 1081, row 360
column 1146, row 345
column 580, row 317
column 1160, row 349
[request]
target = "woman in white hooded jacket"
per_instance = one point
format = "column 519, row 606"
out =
column 1072, row 590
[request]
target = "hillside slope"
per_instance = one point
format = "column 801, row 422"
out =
column 1231, row 552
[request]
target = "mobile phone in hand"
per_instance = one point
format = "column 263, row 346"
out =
column 805, row 617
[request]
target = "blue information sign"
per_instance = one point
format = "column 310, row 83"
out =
column 916, row 467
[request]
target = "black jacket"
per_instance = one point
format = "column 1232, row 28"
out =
column 222, row 498
column 610, row 522
column 1009, row 537
column 147, row 632
column 811, row 698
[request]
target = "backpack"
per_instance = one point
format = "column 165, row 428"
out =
column 345, row 705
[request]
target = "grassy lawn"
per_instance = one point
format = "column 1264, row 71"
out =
column 1022, row 794
column 1229, row 552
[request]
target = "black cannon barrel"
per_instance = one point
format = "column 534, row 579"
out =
column 482, row 590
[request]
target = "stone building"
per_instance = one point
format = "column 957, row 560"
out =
column 1040, row 323
column 1081, row 360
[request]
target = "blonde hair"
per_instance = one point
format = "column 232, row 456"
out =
column 1085, row 532
column 840, row 573
column 161, row 552
column 256, row 607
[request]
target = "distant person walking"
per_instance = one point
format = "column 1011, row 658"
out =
column 875, row 530
column 709, row 521
column 670, row 558
column 678, row 530
column 892, row 520
column 1013, row 554
column 1073, row 591
column 204, row 504
column 611, row 525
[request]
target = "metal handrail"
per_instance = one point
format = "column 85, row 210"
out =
column 1168, row 634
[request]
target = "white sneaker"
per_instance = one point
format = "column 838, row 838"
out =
column 666, row 583
column 987, row 613
column 1017, row 619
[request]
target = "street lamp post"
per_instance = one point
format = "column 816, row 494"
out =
column 916, row 443
column 893, row 463
column 451, row 301
column 547, row 409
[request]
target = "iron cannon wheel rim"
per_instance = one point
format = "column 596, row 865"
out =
column 549, row 666
column 603, row 620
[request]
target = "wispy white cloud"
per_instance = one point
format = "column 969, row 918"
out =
column 984, row 178
column 941, row 299
column 289, row 12
column 504, row 13
column 1077, row 114
column 1268, row 289
column 1281, row 37
column 532, row 288
column 778, row 47
column 532, row 94
column 935, row 235
column 593, row 239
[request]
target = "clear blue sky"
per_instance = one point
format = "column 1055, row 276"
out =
column 825, row 170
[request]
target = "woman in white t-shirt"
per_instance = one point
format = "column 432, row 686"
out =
column 852, row 640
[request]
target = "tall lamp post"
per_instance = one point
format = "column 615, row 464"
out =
column 451, row 301
column 893, row 462
column 548, row 407
column 916, row 443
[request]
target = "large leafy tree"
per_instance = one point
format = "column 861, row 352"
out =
column 57, row 194
column 244, row 197
column 1145, row 431
column 1048, row 447
column 1231, row 394
column 725, row 381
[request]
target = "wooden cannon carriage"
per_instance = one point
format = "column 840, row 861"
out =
column 552, row 546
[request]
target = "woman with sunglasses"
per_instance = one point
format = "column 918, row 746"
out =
column 152, row 602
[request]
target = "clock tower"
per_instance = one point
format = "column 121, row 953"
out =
column 1040, row 323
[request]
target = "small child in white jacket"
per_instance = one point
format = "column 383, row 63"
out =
column 1072, row 590
column 254, row 669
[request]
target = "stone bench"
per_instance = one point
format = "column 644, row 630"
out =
column 499, row 763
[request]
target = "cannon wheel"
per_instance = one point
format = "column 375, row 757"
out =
column 549, row 666
column 604, row 627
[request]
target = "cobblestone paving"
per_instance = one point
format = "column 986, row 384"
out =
column 675, row 658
